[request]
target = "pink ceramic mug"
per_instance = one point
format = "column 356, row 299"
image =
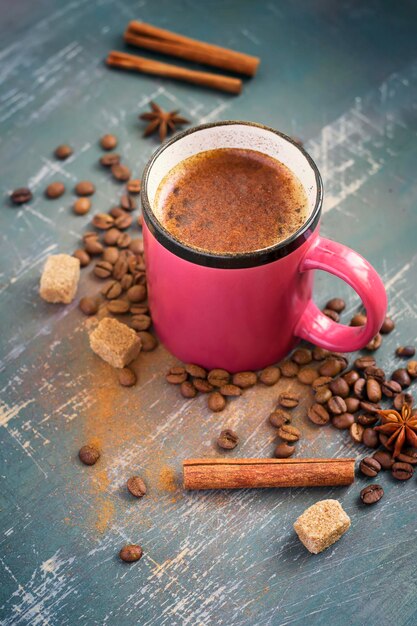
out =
column 247, row 311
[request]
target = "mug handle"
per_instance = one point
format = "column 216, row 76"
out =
column 351, row 267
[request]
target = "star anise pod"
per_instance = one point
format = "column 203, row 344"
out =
column 401, row 428
column 162, row 121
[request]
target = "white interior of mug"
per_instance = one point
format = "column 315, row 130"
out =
column 236, row 135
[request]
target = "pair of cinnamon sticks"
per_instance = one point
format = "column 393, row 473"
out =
column 164, row 41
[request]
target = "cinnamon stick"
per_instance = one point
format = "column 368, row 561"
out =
column 166, row 70
column 255, row 473
column 153, row 38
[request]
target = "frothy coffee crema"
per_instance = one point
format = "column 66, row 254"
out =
column 231, row 201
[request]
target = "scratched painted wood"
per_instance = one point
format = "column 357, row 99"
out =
column 343, row 76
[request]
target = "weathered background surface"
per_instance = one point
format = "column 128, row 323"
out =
column 343, row 76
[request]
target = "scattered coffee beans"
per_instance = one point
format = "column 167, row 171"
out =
column 133, row 185
column 82, row 256
column 343, row 421
column 405, row 351
column 387, row 326
column 375, row 343
column 270, row 375
column 136, row 486
column 81, row 206
column 279, row 417
column 227, row 439
column 89, row 455
column 302, row 356
column 216, row 402
column 336, row 405
column 288, row 433
column 63, row 151
column 370, row 466
column 284, row 450
column 307, row 375
column 401, row 377
column 289, row 369
column 318, row 414
column 108, row 142
column 370, row 438
column 402, row 471
column 55, row 190
column 176, row 375
column 120, row 172
column 84, row 188
column 131, row 553
column 371, row 494
column 232, row 391
column 332, row 314
column 384, row 459
column 288, row 400
column 412, row 369
column 21, row 195
column 127, row 377
column 89, row 306
column 195, row 371
column 149, row 342
column 188, row 390
column 244, row 380
column 358, row 320
column 218, row 377
column 356, row 432
column 336, row 304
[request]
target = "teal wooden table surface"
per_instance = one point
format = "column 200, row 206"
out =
column 343, row 77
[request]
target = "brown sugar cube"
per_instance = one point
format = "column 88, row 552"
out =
column 59, row 280
column 321, row 525
column 115, row 342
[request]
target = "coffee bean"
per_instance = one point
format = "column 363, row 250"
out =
column 390, row 388
column 89, row 234
column 336, row 304
column 136, row 246
column 93, row 246
column 374, row 372
column 244, row 379
column 412, row 369
column 111, row 236
column 402, row 471
column 279, row 417
column 302, row 356
column 136, row 486
column 323, row 395
column 289, row 369
column 89, row 306
column 137, row 293
column 351, row 377
column 110, row 255
column 102, row 221
column 21, row 195
column 375, row 343
column 133, row 185
column 84, row 188
column 401, row 399
column 356, row 432
column 127, row 377
column 216, row 402
column 288, row 433
column 176, row 375
column 116, row 211
column 307, row 375
column 102, row 269
column 318, row 414
column 321, row 382
column 339, row 387
column 123, row 221
column 124, row 240
column 288, row 400
column 112, row 290
column 352, row 404
column 373, row 390
column 82, row 256
column 62, row 152
column 341, row 358
column 188, row 390
column 319, row 354
column 218, row 377
column 107, row 160
column 141, row 322
column 195, row 371
column 89, row 455
column 387, row 326
column 202, row 385
column 358, row 320
column 81, row 206
column 401, row 377
column 127, row 203
column 336, row 405
column 343, row 421
column 227, row 439
column 408, row 455
column 369, row 407
column 119, row 268
column 270, row 375
column 118, row 307
column 136, row 309
column 108, row 142
column 370, row 438
column 363, row 362
column 131, row 553
column 232, row 391
column 367, row 419
column 384, row 459
column 405, row 351
column 149, row 342
column 369, row 466
column 331, row 314
column 331, row 367
column 120, row 172
column 283, row 451
column 359, row 388
column 371, row 494
column 54, row 190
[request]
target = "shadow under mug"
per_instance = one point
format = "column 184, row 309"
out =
column 246, row 311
